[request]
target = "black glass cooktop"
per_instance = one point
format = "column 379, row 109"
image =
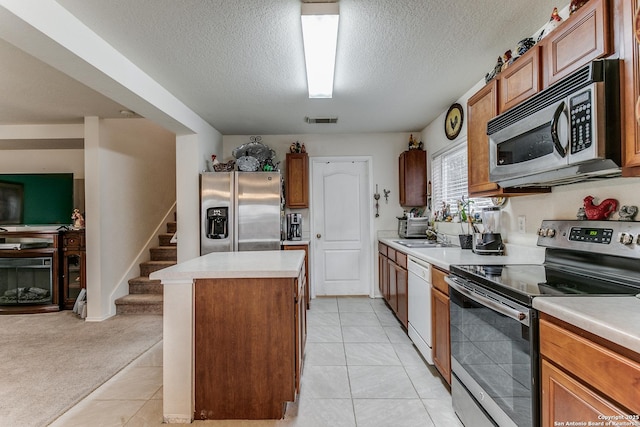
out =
column 524, row 282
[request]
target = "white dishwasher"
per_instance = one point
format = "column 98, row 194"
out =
column 420, row 306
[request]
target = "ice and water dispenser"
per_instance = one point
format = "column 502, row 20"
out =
column 217, row 223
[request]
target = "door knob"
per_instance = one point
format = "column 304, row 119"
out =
column 318, row 235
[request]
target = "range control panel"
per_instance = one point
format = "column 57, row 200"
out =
column 608, row 237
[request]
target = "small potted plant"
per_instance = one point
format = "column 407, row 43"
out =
column 466, row 239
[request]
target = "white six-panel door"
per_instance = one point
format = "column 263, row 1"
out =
column 341, row 226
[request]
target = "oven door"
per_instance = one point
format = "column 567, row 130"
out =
column 493, row 356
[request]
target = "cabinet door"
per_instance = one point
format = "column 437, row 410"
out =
column 403, row 295
column 520, row 80
column 297, row 181
column 301, row 328
column 629, row 51
column 413, row 178
column 481, row 107
column 440, row 323
column 304, row 248
column 440, row 333
column 383, row 275
column 73, row 280
column 393, row 285
column 583, row 37
column 564, row 398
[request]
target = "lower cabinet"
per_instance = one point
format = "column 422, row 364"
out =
column 249, row 338
column 305, row 248
column 440, row 333
column 393, row 281
column 585, row 379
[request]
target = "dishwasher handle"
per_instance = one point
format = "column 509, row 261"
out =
column 496, row 305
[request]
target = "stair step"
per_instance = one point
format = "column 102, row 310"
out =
column 164, row 253
column 144, row 285
column 139, row 304
column 149, row 267
column 172, row 227
column 165, row 240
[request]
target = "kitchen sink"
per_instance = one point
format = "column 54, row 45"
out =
column 420, row 243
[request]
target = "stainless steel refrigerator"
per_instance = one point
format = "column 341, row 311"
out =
column 239, row 211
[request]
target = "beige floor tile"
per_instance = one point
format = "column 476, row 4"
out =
column 100, row 413
column 138, row 383
column 150, row 415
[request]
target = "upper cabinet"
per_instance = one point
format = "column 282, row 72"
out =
column 521, row 80
column 296, row 182
column 628, row 49
column 581, row 38
column 481, row 107
column 413, row 178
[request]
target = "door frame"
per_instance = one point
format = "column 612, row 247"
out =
column 368, row 160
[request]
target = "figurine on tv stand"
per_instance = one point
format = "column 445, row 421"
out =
column 78, row 219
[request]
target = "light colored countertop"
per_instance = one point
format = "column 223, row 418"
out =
column 445, row 257
column 249, row 264
column 294, row 242
column 616, row 319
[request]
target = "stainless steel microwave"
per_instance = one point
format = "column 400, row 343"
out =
column 569, row 132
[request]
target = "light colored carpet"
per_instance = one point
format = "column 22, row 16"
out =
column 49, row 362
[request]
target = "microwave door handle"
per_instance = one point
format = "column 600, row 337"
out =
column 554, row 130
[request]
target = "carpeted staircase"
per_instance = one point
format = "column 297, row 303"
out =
column 145, row 295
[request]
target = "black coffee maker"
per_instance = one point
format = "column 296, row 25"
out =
column 294, row 226
column 489, row 242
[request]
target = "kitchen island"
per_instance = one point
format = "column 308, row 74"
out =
column 233, row 335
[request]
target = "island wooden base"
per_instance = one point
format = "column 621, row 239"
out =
column 246, row 337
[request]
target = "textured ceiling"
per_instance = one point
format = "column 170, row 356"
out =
column 239, row 64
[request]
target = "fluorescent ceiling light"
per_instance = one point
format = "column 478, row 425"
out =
column 320, row 37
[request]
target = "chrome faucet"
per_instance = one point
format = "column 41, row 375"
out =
column 439, row 237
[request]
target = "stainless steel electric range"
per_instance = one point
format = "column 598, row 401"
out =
column 494, row 329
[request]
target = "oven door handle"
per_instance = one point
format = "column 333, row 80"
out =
column 487, row 302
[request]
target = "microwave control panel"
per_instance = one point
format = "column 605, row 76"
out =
column 581, row 121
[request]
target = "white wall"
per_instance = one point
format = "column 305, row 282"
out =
column 131, row 185
column 384, row 148
column 43, row 161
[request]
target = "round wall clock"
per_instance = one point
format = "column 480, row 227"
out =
column 453, row 121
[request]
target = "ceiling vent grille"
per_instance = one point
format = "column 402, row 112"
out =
column 321, row 120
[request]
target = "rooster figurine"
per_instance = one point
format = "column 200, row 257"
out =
column 554, row 21
column 601, row 211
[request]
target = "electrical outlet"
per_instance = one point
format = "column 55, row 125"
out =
column 522, row 224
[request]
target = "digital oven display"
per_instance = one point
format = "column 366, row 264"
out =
column 591, row 235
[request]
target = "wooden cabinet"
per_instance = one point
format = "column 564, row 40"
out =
column 249, row 337
column 520, row 80
column 584, row 377
column 301, row 324
column 296, row 182
column 74, row 270
column 440, row 319
column 402, row 288
column 412, row 166
column 394, row 281
column 304, row 248
column 581, row 38
column 629, row 51
column 383, row 271
column 481, row 107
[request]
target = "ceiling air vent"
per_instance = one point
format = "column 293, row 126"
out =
column 321, row 120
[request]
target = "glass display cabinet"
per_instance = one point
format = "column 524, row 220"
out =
column 73, row 267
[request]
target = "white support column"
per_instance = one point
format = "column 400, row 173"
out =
column 178, row 357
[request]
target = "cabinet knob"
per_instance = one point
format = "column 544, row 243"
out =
column 318, row 235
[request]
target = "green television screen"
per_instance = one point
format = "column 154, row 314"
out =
column 36, row 199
